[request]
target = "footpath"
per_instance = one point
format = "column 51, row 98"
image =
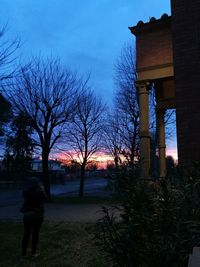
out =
column 11, row 201
column 58, row 212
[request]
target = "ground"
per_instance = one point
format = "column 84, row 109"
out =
column 61, row 245
column 11, row 201
column 67, row 235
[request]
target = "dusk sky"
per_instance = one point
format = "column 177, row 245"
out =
column 87, row 35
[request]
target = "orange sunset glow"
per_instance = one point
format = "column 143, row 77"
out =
column 172, row 152
column 102, row 159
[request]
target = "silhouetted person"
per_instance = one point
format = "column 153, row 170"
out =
column 33, row 209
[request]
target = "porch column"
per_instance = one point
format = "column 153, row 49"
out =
column 144, row 129
column 161, row 141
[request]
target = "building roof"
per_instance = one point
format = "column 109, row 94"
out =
column 153, row 23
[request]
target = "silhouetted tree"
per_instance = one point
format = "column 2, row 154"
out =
column 169, row 119
column 171, row 166
column 126, row 103
column 127, row 106
column 5, row 113
column 8, row 50
column 19, row 144
column 44, row 92
column 112, row 140
column 84, row 137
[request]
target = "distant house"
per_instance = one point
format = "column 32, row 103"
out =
column 54, row 165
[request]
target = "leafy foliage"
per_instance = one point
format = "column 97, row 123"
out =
column 19, row 146
column 5, row 113
column 155, row 224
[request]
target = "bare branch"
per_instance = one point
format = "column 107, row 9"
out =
column 7, row 56
column 46, row 93
column 85, row 130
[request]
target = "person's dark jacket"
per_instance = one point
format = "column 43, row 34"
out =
column 33, row 201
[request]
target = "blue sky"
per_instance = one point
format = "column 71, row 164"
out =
column 87, row 35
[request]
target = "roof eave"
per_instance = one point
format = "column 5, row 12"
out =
column 155, row 24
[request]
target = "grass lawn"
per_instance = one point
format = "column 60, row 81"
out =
column 61, row 245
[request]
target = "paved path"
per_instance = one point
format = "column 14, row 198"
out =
column 58, row 212
column 94, row 187
column 11, row 201
column 72, row 187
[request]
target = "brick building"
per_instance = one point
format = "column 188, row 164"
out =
column 168, row 55
column 186, row 49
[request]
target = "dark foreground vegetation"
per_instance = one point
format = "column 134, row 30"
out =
column 159, row 223
column 61, row 245
column 148, row 223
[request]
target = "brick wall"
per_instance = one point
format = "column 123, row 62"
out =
column 160, row 42
column 186, row 50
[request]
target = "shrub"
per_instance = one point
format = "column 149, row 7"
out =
column 156, row 223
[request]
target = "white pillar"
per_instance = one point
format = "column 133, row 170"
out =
column 161, row 141
column 144, row 130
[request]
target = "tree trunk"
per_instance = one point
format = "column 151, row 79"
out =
column 116, row 160
column 82, row 180
column 45, row 173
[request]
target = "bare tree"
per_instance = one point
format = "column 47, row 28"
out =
column 44, row 92
column 84, row 137
column 7, row 55
column 126, row 103
column 112, row 140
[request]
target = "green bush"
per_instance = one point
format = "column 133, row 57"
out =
column 156, row 223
